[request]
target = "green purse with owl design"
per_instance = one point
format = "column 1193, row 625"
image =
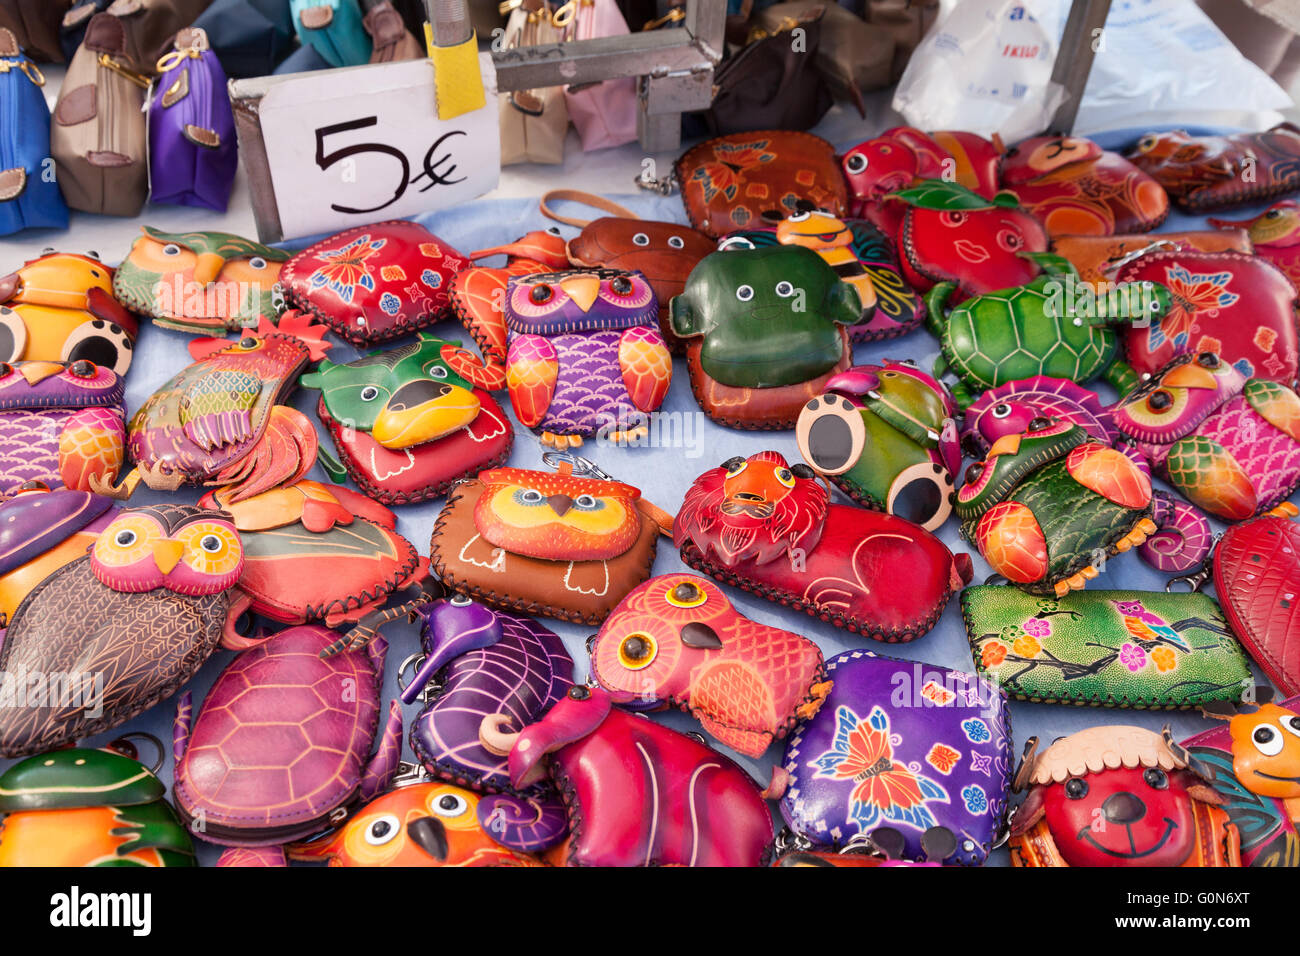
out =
column 1133, row 649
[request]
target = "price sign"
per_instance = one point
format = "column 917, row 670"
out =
column 350, row 147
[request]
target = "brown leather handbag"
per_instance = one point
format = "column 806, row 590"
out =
column 36, row 25
column 149, row 26
column 540, row 543
column 728, row 183
column 98, row 137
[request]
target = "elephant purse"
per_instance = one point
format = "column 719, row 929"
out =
column 768, row 527
column 1139, row 649
column 564, row 545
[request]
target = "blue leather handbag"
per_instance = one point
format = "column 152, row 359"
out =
column 29, row 195
column 333, row 28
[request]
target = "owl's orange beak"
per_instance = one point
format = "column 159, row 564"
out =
column 167, row 554
column 39, row 371
column 1190, row 375
column 208, row 267
column 582, row 289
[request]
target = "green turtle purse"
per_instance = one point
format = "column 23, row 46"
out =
column 1135, row 649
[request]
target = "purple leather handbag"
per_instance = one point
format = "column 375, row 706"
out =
column 905, row 747
column 192, row 148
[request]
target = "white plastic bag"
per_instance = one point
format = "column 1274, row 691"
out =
column 987, row 67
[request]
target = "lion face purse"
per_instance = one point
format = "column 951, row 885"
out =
column 567, row 544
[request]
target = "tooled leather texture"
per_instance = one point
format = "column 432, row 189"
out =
column 1257, row 577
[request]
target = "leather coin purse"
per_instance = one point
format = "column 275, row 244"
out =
column 950, row 234
column 373, row 283
column 125, row 625
column 767, row 328
column 1228, row 443
column 269, row 761
column 1099, row 258
column 60, row 424
column 663, row 252
column 902, row 156
column 1210, row 172
column 1273, row 235
column 562, row 545
column 1073, row 186
column 903, row 746
column 728, row 183
column 637, row 793
column 1253, row 762
column 761, row 525
column 1140, row 649
column 59, row 307
column 86, row 807
column 1119, row 796
column 886, row 436
column 1241, row 307
column 677, row 640
column 200, row 282
column 410, row 421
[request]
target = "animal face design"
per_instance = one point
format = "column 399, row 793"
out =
column 1178, row 399
column 426, row 824
column 768, row 317
column 663, row 252
column 1011, row 459
column 1008, row 410
column 549, row 303
column 60, row 308
column 200, row 281
column 1266, row 751
column 1277, row 226
column 557, row 517
column 405, row 396
column 879, row 166
column 753, row 508
column 1045, row 154
column 815, row 229
column 180, row 548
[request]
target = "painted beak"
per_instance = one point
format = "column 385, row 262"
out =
column 1006, row 445
column 424, row 411
column 167, row 554
column 208, row 267
column 39, row 371
column 560, row 503
column 582, row 289
column 1191, row 375
column 429, row 835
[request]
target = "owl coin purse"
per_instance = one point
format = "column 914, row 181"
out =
column 762, row 525
column 728, row 183
column 1119, row 796
column 1210, row 172
column 1140, row 649
column 1073, row 186
column 60, row 424
column 886, row 436
column 410, row 421
column 87, row 807
column 1252, row 761
column 562, row 545
column 677, row 640
column 374, row 283
column 124, row 626
column 766, row 330
column 584, row 355
column 903, row 746
column 207, row 283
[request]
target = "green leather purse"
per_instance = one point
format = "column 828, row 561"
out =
column 1136, row 649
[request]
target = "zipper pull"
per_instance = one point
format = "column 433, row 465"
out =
column 108, row 62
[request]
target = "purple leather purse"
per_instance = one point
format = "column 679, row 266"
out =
column 900, row 746
column 192, row 148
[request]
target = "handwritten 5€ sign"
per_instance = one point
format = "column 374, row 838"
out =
column 349, row 147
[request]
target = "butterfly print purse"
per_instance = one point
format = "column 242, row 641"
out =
column 903, row 746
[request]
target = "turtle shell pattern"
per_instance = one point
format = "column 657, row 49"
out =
column 281, row 740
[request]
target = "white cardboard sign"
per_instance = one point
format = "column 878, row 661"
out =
column 351, row 147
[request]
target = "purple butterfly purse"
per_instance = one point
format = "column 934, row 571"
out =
column 192, row 148
column 900, row 749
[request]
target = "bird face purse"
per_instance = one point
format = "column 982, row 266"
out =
column 1141, row 649
column 60, row 424
column 1119, row 796
column 902, row 746
column 373, row 283
column 565, row 545
column 766, row 329
column 676, row 639
column 410, row 421
column 762, row 525
column 729, row 182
